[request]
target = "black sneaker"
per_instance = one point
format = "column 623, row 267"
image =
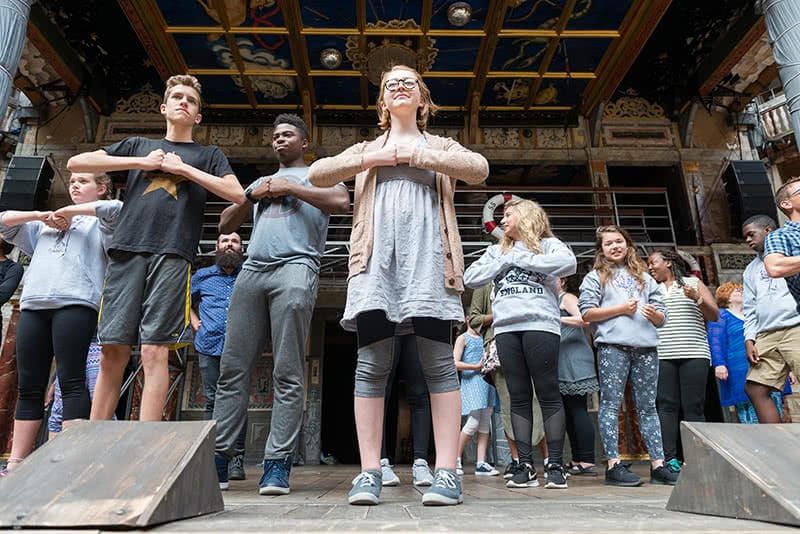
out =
column 620, row 475
column 511, row 469
column 663, row 475
column 236, row 468
column 525, row 477
column 556, row 476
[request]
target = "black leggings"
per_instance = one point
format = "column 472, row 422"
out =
column 681, row 389
column 406, row 365
column 580, row 428
column 65, row 332
column 533, row 355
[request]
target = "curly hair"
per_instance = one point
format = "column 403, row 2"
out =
column 532, row 224
column 605, row 267
column 292, row 120
column 723, row 293
column 678, row 265
column 427, row 110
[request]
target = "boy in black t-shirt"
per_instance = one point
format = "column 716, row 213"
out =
column 146, row 290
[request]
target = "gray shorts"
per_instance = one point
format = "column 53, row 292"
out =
column 146, row 300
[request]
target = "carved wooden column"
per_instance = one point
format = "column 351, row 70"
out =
column 602, row 201
column 693, row 181
column 8, row 380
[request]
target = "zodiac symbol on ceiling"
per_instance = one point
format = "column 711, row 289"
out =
column 273, row 87
column 524, row 60
column 517, row 94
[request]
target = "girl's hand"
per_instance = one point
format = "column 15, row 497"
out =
column 721, row 372
column 691, row 293
column 629, row 307
column 403, row 153
column 385, row 157
column 60, row 219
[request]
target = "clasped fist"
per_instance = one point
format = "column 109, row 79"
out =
column 159, row 160
column 630, row 306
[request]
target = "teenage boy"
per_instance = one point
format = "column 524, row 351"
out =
column 782, row 247
column 146, row 290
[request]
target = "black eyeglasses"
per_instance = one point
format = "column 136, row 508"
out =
column 394, row 85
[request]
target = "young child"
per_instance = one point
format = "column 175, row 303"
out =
column 60, row 299
column 525, row 267
column 625, row 304
column 477, row 399
column 145, row 293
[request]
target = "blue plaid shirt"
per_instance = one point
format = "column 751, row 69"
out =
column 786, row 241
column 212, row 287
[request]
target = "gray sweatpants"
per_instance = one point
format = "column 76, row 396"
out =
column 279, row 303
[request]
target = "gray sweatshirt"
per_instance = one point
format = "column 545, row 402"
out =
column 768, row 305
column 67, row 267
column 628, row 330
column 526, row 294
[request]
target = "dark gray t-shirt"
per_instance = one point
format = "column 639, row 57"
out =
column 163, row 213
column 286, row 230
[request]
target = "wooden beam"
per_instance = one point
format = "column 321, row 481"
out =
column 219, row 5
column 149, row 25
column 297, row 46
column 427, row 15
column 495, row 14
column 750, row 38
column 550, row 51
column 636, row 29
column 361, row 21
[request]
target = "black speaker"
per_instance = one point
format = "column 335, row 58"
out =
column 749, row 193
column 27, row 184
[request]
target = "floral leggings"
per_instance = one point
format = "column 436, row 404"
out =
column 615, row 364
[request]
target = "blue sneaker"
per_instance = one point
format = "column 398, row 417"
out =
column 275, row 480
column 366, row 488
column 446, row 489
column 222, row 470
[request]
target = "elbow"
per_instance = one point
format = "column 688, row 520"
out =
column 774, row 271
column 342, row 206
column 73, row 164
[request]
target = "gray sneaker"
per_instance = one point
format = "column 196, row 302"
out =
column 421, row 473
column 389, row 477
column 446, row 489
column 236, row 468
column 366, row 488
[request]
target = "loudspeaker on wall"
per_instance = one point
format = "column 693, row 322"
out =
column 27, row 184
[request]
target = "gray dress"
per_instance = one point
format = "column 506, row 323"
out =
column 576, row 371
column 405, row 275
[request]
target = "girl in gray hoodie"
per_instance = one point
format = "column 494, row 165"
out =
column 60, row 299
column 525, row 267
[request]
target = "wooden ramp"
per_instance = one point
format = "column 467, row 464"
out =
column 741, row 471
column 118, row 474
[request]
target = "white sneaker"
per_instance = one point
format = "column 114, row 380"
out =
column 421, row 473
column 485, row 469
column 459, row 468
column 387, row 474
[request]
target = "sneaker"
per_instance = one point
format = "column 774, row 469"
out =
column 511, row 469
column 421, row 473
column 663, row 474
column 389, row 478
column 275, row 480
column 446, row 489
column 674, row 465
column 525, row 477
column 222, row 470
column 484, row 469
column 366, row 488
column 236, row 468
column 620, row 475
column 556, row 476
column 459, row 467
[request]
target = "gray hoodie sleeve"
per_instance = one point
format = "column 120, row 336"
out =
column 24, row 236
column 556, row 258
column 655, row 296
column 488, row 266
column 749, row 304
column 107, row 212
column 591, row 292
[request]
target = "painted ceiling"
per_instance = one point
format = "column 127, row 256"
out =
column 532, row 56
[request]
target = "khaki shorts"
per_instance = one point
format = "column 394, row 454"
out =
column 779, row 352
column 146, row 299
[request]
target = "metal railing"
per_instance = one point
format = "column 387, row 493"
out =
column 574, row 212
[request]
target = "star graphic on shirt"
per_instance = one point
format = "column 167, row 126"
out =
column 163, row 180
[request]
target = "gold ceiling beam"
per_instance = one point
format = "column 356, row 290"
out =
column 148, row 23
column 436, row 32
column 361, row 21
column 566, row 34
column 219, row 5
column 550, row 51
column 299, row 52
column 261, row 30
column 537, row 75
column 247, row 72
column 495, row 15
column 636, row 29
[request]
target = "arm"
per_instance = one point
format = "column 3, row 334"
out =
column 194, row 319
column 749, row 307
column 327, row 172
column 570, row 303
column 454, row 160
column 708, row 306
column 15, row 218
column 558, row 261
column 10, row 282
column 234, row 216
column 718, row 343
column 591, row 298
column 331, row 200
column 102, row 161
column 458, row 355
column 483, row 271
column 780, row 266
column 227, row 187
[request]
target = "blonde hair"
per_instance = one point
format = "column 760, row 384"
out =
column 183, row 79
column 723, row 293
column 605, row 267
column 783, row 193
column 532, row 224
column 102, row 179
column 427, row 109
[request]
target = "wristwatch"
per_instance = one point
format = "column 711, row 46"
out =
column 248, row 193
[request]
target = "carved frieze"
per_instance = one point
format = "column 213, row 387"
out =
column 501, row 137
column 552, row 137
column 226, row 135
